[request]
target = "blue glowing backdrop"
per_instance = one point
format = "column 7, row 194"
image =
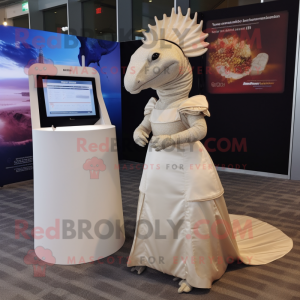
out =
column 20, row 47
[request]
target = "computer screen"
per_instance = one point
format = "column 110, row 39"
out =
column 67, row 98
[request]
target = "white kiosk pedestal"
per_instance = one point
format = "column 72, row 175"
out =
column 77, row 205
column 78, row 214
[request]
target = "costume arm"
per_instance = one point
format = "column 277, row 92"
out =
column 141, row 134
column 196, row 132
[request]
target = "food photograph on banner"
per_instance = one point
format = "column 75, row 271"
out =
column 247, row 54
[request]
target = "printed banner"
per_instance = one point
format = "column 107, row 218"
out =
column 247, row 54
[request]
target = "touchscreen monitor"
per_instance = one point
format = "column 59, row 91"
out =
column 67, row 101
column 69, row 98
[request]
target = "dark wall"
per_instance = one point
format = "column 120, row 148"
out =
column 260, row 124
column 132, row 108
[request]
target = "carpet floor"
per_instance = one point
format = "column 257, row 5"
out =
column 275, row 201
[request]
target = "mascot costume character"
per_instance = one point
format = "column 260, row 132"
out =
column 181, row 196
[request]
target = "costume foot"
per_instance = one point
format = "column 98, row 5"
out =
column 184, row 287
column 139, row 270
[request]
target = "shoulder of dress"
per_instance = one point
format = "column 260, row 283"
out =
column 150, row 106
column 194, row 106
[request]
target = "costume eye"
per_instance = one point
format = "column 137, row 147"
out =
column 45, row 68
column 155, row 56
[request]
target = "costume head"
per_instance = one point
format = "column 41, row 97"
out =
column 163, row 56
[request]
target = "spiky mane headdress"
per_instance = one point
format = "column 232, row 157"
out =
column 181, row 30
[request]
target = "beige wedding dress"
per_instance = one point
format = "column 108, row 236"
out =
column 183, row 227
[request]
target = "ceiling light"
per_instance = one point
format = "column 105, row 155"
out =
column 5, row 23
column 65, row 28
column 150, row 0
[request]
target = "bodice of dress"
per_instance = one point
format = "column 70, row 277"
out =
column 175, row 118
column 167, row 128
column 166, row 122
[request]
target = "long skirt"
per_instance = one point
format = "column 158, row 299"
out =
column 183, row 227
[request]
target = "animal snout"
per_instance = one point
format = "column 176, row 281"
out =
column 131, row 83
